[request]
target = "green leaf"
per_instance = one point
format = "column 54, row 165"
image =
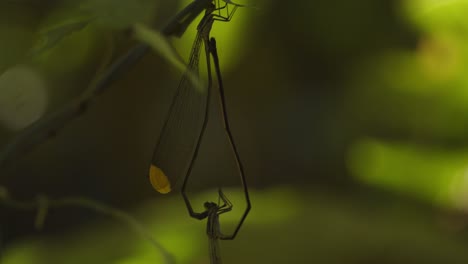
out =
column 51, row 36
column 162, row 46
column 120, row 14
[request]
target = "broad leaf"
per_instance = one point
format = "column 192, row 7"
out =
column 162, row 46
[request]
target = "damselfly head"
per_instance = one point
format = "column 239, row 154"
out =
column 210, row 205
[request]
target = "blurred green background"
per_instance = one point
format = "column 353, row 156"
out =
column 351, row 118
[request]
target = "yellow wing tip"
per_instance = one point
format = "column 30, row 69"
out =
column 159, row 180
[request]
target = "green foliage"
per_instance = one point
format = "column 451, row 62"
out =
column 120, row 14
column 435, row 175
column 161, row 45
column 50, row 37
column 16, row 35
column 286, row 226
column 416, row 94
column 69, row 18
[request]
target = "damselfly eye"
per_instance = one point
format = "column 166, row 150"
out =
column 159, row 180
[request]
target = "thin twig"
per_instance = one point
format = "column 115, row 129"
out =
column 42, row 204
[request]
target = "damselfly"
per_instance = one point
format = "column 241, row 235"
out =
column 187, row 119
column 213, row 230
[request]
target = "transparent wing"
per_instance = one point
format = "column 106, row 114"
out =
column 175, row 148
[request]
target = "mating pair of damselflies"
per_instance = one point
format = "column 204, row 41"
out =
column 186, row 122
column 187, row 119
